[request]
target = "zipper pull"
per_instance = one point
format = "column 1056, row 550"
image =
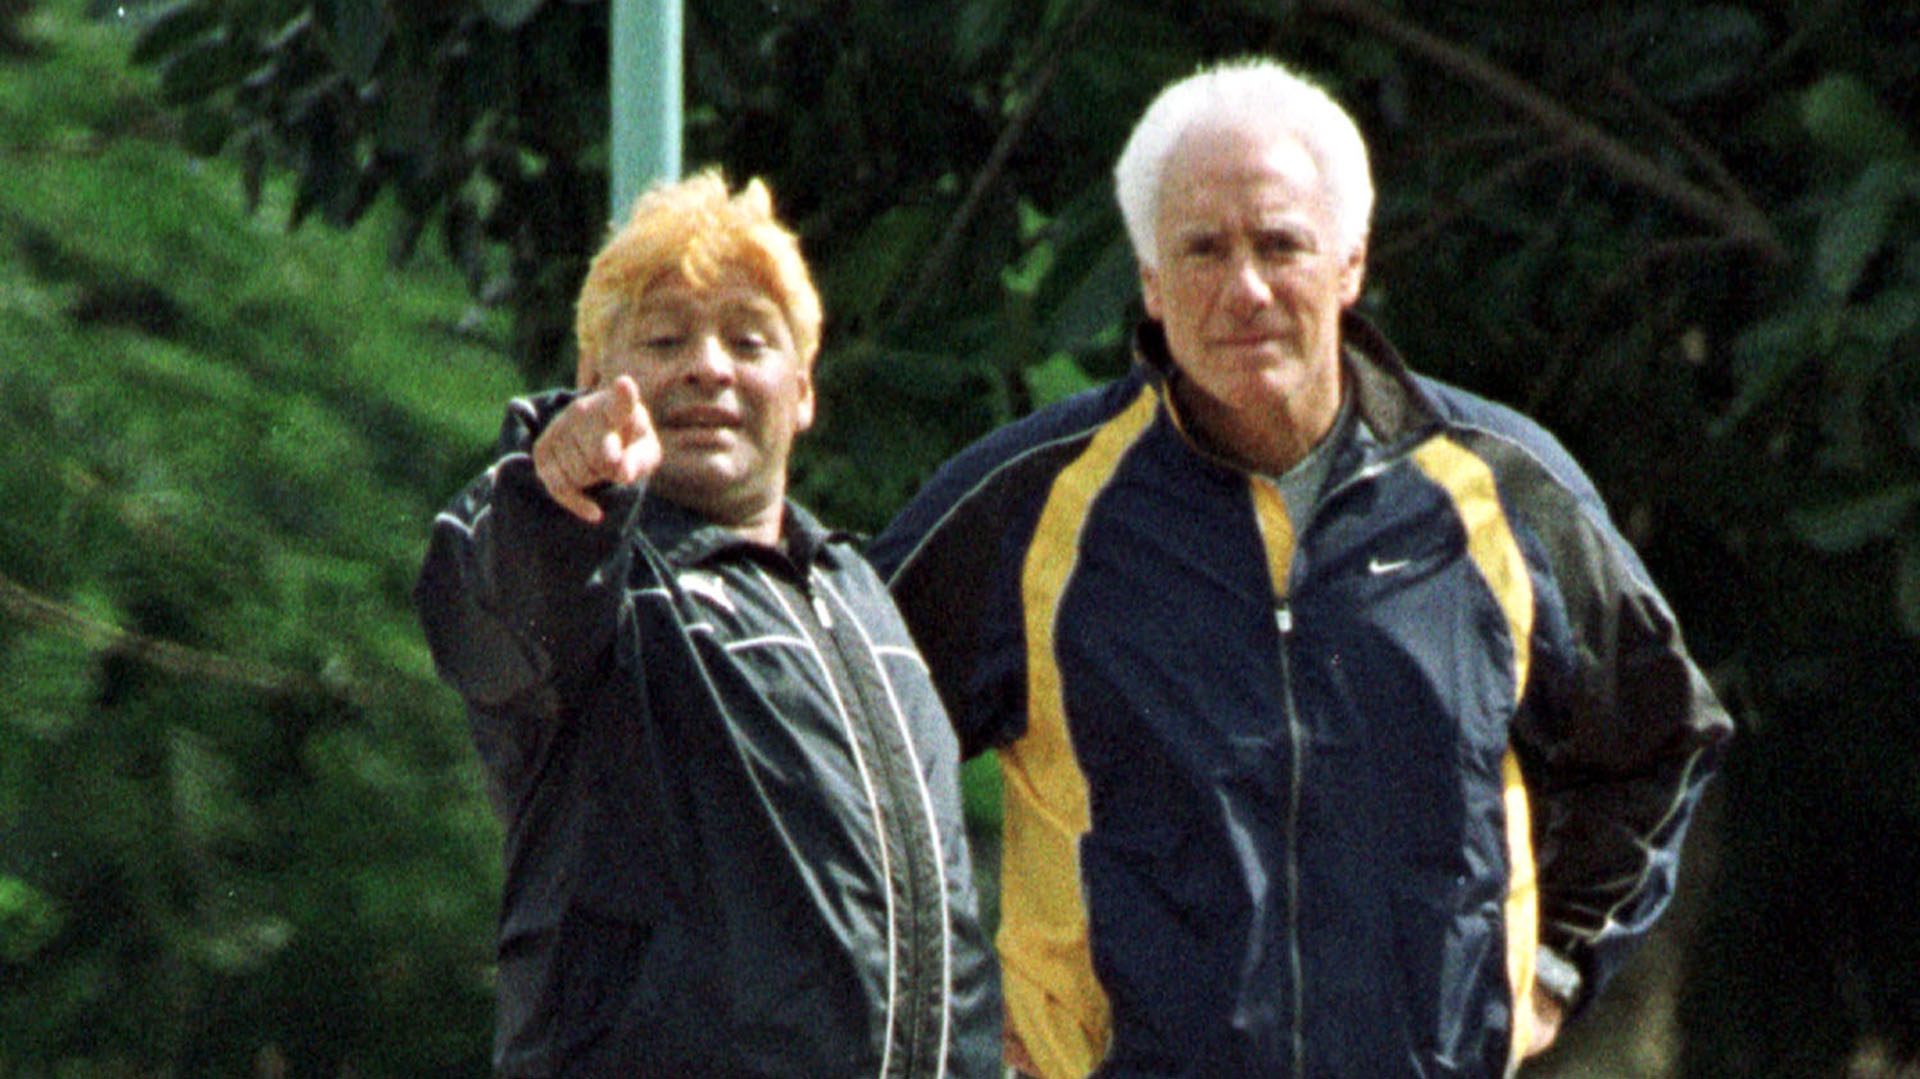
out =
column 820, row 610
column 1283, row 617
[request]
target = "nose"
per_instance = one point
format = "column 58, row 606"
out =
column 709, row 362
column 1246, row 287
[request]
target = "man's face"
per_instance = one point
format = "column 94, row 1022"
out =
column 1251, row 281
column 723, row 385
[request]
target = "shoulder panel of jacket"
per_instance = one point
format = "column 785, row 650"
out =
column 951, row 556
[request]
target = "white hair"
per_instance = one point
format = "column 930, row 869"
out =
column 1256, row 93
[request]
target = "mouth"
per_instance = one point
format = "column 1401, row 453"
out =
column 1248, row 340
column 701, row 418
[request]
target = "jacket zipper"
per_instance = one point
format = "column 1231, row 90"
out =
column 807, row 592
column 1296, row 737
column 909, row 980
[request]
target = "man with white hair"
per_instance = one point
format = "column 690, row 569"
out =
column 1342, row 732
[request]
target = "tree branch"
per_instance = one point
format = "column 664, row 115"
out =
column 26, row 605
column 1736, row 217
column 1669, row 125
column 1811, row 27
column 996, row 163
column 1484, row 189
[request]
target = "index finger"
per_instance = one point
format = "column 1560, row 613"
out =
column 626, row 413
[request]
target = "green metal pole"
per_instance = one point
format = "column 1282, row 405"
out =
column 645, row 43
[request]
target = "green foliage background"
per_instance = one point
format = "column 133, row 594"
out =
column 240, row 828
column 238, row 820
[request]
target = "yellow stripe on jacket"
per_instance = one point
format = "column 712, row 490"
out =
column 1496, row 553
column 1055, row 1005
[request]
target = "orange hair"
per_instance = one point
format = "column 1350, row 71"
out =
column 694, row 229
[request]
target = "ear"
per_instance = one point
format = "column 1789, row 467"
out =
column 1353, row 274
column 803, row 403
column 1150, row 292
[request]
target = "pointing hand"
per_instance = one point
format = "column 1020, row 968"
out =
column 603, row 437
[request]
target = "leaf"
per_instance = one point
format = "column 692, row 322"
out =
column 1056, row 379
column 1032, row 221
column 29, row 920
column 1699, row 53
column 1893, row 314
column 1850, row 525
column 405, row 116
column 510, row 14
column 289, row 35
column 1767, row 355
column 409, row 226
column 359, row 30
column 980, row 28
column 253, row 165
column 1025, row 277
column 1852, row 234
column 1843, row 117
column 328, row 178
column 210, row 64
column 1907, row 587
column 172, row 29
column 1096, row 309
column 460, row 235
column 352, row 200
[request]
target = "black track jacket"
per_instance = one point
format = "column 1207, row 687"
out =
column 733, row 828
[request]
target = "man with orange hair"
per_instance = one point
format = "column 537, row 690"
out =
column 733, row 833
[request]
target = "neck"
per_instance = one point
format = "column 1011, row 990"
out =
column 763, row 527
column 1269, row 436
column 758, row 523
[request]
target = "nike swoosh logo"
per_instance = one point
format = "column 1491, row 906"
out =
column 1378, row 568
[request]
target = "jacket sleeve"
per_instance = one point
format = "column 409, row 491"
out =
column 1619, row 736
column 518, row 598
column 946, row 560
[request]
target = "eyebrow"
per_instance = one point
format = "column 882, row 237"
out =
column 1289, row 229
column 680, row 307
column 758, row 305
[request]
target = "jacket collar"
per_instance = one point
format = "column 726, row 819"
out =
column 685, row 538
column 1387, row 396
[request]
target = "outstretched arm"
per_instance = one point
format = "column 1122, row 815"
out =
column 525, row 569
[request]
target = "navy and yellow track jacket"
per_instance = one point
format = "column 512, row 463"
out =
column 733, row 830
column 1302, row 797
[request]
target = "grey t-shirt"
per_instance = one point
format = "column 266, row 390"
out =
column 1300, row 487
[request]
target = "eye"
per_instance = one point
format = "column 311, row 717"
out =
column 662, row 342
column 1204, row 247
column 1282, row 245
